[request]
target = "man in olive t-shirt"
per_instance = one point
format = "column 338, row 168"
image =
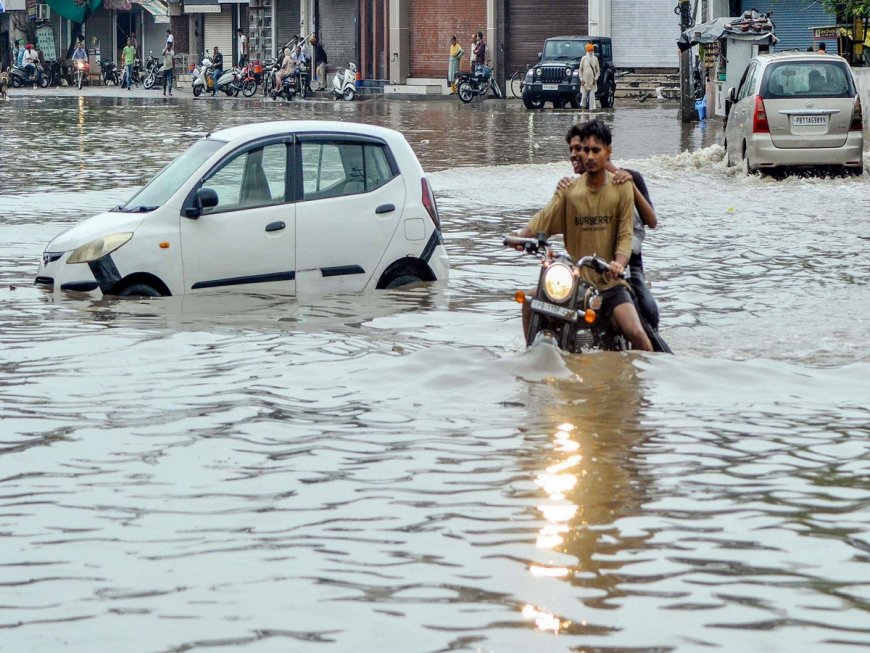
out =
column 596, row 216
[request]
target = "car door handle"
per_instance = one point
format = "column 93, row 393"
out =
column 385, row 208
column 275, row 226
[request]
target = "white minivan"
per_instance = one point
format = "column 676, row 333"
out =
column 291, row 207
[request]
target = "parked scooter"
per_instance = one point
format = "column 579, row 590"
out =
column 202, row 80
column 109, row 72
column 230, row 82
column 18, row 77
column 344, row 83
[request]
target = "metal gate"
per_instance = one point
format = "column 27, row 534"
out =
column 430, row 26
column 644, row 34
column 218, row 31
column 528, row 23
column 793, row 20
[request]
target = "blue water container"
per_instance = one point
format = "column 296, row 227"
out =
column 701, row 108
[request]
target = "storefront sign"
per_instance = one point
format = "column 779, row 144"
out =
column 825, row 32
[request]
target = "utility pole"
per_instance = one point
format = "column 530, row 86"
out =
column 687, row 104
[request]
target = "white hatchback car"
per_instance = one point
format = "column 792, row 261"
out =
column 796, row 109
column 294, row 207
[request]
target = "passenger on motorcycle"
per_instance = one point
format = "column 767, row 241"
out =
column 288, row 65
column 30, row 61
column 595, row 216
column 644, row 216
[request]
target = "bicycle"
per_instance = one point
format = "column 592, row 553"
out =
column 517, row 83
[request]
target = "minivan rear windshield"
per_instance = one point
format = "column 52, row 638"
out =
column 564, row 49
column 807, row 79
column 164, row 185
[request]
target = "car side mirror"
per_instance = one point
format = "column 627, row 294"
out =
column 205, row 198
column 540, row 54
column 732, row 94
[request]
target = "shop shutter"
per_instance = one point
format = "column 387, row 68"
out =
column 793, row 20
column 286, row 21
column 644, row 34
column 530, row 22
column 338, row 31
column 218, row 31
column 432, row 24
column 100, row 27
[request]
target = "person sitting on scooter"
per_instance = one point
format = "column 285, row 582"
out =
column 30, row 60
column 286, row 69
column 217, row 68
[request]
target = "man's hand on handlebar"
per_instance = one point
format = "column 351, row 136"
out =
column 616, row 270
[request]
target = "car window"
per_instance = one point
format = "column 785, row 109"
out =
column 807, row 79
column 564, row 49
column 333, row 169
column 747, row 82
column 605, row 50
column 251, row 179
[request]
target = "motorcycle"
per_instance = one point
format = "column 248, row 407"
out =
column 153, row 69
column 470, row 85
column 19, row 77
column 230, row 82
column 344, row 83
column 135, row 73
column 288, row 89
column 302, row 79
column 81, row 69
column 564, row 309
column 109, row 72
column 52, row 72
column 202, row 80
column 269, row 70
column 249, row 80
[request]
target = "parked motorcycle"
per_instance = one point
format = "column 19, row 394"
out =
column 270, row 68
column 249, row 80
column 109, row 72
column 135, row 73
column 153, row 72
column 470, row 85
column 564, row 309
column 18, row 77
column 81, row 69
column 202, row 80
column 52, row 72
column 344, row 83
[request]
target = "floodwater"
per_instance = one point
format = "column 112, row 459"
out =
column 394, row 471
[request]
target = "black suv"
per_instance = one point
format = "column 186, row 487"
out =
column 556, row 78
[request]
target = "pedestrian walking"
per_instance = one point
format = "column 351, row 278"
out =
column 128, row 58
column 170, row 40
column 479, row 51
column 590, row 70
column 456, row 53
column 243, row 48
column 168, row 68
column 320, row 62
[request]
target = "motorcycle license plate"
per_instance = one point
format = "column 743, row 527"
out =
column 555, row 311
column 550, row 87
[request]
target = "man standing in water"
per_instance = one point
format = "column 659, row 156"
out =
column 595, row 216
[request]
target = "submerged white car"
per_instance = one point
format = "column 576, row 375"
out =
column 293, row 207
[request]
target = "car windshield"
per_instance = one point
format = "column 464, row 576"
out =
column 807, row 79
column 554, row 49
column 164, row 185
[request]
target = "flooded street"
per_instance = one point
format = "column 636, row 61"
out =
column 393, row 471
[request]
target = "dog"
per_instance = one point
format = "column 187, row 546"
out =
column 4, row 83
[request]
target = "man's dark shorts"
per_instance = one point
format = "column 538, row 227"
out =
column 613, row 297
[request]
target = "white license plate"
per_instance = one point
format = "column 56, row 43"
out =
column 809, row 121
column 550, row 87
column 552, row 309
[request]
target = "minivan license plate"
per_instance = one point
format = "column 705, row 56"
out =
column 551, row 87
column 804, row 121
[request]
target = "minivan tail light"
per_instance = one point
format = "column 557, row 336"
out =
column 857, row 117
column 430, row 205
column 759, row 121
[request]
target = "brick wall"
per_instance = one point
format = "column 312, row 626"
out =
column 432, row 23
column 338, row 32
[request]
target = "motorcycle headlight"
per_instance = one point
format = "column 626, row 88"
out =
column 558, row 282
column 99, row 247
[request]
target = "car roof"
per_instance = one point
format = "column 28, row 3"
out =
column 797, row 55
column 278, row 127
column 579, row 38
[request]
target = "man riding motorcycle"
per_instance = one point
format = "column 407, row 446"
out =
column 595, row 216
column 31, row 63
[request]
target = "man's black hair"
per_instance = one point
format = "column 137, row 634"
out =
column 596, row 129
column 480, row 34
column 574, row 132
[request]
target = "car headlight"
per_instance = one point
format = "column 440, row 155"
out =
column 99, row 247
column 558, row 282
column 537, row 72
column 567, row 72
